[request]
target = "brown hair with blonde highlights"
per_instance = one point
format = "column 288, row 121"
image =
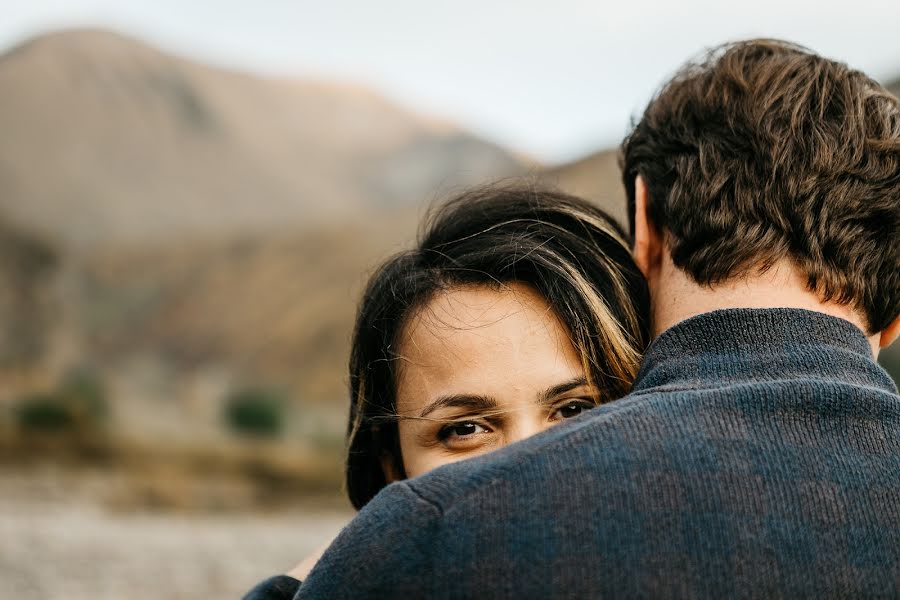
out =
column 569, row 251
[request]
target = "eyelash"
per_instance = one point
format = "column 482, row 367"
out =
column 583, row 403
column 446, row 431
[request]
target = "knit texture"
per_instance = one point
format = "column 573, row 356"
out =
column 279, row 587
column 757, row 457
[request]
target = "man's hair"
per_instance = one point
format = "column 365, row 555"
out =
column 763, row 151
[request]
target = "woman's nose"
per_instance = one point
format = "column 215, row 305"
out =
column 525, row 427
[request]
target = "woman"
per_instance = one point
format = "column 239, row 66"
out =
column 519, row 308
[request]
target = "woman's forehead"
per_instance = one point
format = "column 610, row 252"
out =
column 484, row 340
column 479, row 316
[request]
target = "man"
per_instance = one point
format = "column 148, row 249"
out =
column 759, row 453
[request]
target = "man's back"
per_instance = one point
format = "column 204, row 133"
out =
column 759, row 455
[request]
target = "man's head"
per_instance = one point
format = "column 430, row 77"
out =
column 764, row 155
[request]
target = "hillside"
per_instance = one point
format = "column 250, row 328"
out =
column 27, row 309
column 595, row 177
column 894, row 86
column 182, row 230
column 144, row 146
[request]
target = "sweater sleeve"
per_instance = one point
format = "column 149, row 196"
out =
column 385, row 552
column 279, row 587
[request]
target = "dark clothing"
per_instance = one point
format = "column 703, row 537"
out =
column 757, row 456
column 274, row 588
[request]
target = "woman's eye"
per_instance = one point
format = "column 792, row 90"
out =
column 572, row 409
column 458, row 430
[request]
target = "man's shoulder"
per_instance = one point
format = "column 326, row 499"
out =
column 681, row 432
column 598, row 440
column 662, row 487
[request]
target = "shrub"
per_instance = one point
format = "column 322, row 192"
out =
column 45, row 412
column 78, row 404
column 255, row 411
column 85, row 392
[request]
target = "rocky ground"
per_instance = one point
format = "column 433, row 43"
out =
column 57, row 547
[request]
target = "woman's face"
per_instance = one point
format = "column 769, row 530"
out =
column 482, row 368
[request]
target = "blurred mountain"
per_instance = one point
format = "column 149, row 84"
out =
column 181, row 229
column 597, row 178
column 106, row 139
column 27, row 311
column 894, row 87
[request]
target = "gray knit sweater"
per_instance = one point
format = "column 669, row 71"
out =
column 758, row 456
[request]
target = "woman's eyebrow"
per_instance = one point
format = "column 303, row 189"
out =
column 548, row 395
column 474, row 401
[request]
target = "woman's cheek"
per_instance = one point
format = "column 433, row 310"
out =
column 422, row 460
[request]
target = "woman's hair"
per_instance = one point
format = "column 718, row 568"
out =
column 569, row 251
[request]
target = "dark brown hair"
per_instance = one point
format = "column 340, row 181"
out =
column 763, row 151
column 566, row 249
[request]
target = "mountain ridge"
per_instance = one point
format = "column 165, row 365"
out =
column 146, row 146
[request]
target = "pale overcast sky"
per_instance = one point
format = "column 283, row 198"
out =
column 554, row 79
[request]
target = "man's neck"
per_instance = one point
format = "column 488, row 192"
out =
column 676, row 297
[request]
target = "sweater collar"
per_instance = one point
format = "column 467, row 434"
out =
column 744, row 345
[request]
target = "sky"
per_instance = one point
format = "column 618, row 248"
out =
column 553, row 79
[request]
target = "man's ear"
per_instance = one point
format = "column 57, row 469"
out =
column 648, row 242
column 890, row 333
